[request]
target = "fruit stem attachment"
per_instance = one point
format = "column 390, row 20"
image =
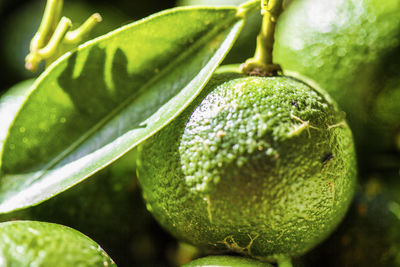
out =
column 261, row 64
column 53, row 35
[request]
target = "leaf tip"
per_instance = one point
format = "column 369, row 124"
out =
column 247, row 8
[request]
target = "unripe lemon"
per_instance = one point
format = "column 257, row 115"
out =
column 228, row 261
column 259, row 166
column 30, row 243
column 351, row 48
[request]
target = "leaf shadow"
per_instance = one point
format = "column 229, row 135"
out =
column 98, row 102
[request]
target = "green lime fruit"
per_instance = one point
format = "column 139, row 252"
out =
column 245, row 45
column 351, row 48
column 229, row 261
column 260, row 166
column 385, row 112
column 29, row 243
column 370, row 233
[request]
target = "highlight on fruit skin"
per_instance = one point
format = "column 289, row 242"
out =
column 263, row 167
column 30, row 243
column 351, row 48
column 220, row 261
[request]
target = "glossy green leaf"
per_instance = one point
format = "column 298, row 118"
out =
column 95, row 104
column 10, row 103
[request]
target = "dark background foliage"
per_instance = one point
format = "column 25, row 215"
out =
column 19, row 19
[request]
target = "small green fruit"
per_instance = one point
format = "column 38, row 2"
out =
column 351, row 48
column 29, row 243
column 229, row 261
column 260, row 166
column 385, row 117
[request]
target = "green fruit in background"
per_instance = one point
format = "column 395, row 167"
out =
column 245, row 45
column 108, row 208
column 259, row 166
column 370, row 233
column 351, row 48
column 229, row 261
column 385, row 111
column 23, row 24
column 29, row 243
